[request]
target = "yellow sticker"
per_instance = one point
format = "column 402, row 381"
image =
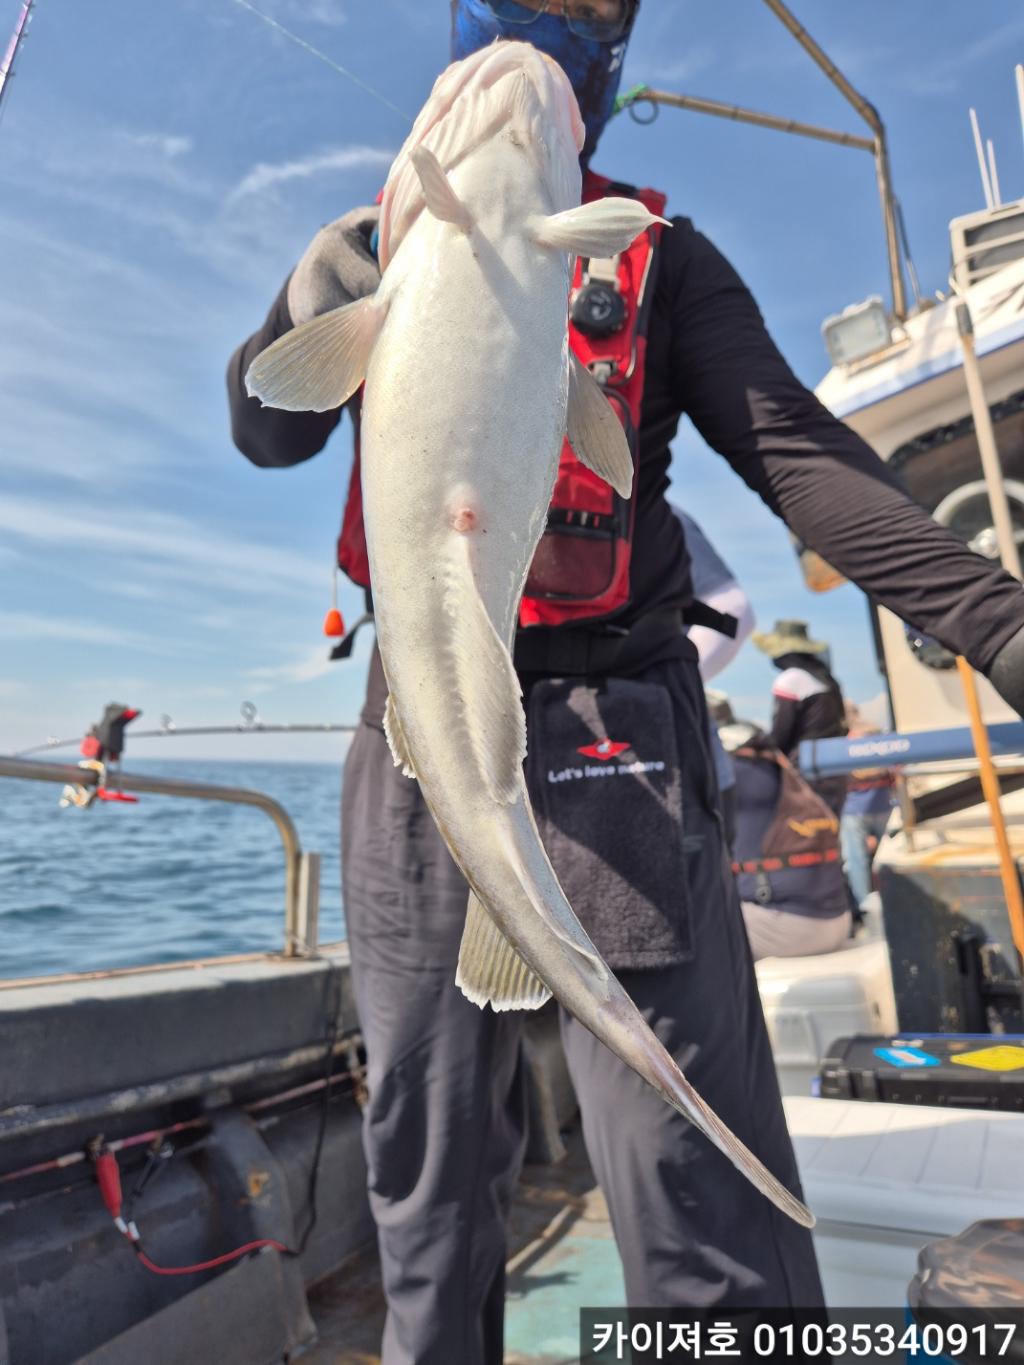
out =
column 1003, row 1058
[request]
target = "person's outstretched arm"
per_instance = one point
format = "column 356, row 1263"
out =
column 826, row 483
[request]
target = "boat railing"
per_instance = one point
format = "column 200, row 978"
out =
column 302, row 868
column 829, row 757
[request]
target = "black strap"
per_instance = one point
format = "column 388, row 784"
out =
column 575, row 651
column 343, row 649
column 700, row 614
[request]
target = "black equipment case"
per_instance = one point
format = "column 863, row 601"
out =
column 963, row 1071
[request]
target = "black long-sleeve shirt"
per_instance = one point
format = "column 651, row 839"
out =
column 709, row 356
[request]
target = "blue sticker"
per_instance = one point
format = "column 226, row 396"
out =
column 906, row 1056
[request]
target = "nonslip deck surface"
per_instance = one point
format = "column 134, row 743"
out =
column 562, row 1256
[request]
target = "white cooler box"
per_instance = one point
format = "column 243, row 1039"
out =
column 809, row 1002
column 885, row 1179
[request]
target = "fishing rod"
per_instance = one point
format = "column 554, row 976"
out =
column 250, row 724
column 18, row 37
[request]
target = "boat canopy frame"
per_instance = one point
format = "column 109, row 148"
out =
column 877, row 144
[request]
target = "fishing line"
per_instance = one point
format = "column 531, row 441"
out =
column 308, row 47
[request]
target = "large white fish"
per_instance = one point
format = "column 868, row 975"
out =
column 470, row 386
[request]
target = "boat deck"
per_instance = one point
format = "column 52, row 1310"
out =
column 562, row 1256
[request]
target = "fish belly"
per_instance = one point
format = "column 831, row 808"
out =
column 461, row 430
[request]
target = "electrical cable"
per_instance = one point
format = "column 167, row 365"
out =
column 121, row 1209
column 332, row 1020
column 212, row 1264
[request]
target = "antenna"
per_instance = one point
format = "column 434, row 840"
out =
column 992, row 175
column 982, row 166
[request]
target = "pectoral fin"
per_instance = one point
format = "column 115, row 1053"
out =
column 442, row 201
column 395, row 736
column 490, row 969
column 485, row 683
column 319, row 365
column 594, row 432
column 602, row 228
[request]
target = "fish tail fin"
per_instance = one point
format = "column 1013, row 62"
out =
column 318, row 365
column 648, row 1057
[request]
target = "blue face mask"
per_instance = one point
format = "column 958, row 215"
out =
column 594, row 69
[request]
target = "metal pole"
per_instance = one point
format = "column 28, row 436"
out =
column 987, row 447
column 301, row 938
column 872, row 118
column 990, row 786
column 32, row 771
column 739, row 114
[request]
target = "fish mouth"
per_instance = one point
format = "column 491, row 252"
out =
column 502, row 61
column 551, row 85
column 506, row 57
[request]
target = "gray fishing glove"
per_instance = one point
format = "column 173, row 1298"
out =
column 336, row 268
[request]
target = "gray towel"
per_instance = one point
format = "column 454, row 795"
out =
column 603, row 770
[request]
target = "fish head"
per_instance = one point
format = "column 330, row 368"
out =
column 472, row 101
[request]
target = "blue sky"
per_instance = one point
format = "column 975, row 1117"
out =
column 163, row 166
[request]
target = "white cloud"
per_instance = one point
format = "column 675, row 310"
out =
column 330, row 13
column 310, row 664
column 267, row 175
column 177, row 544
column 25, row 625
column 167, row 144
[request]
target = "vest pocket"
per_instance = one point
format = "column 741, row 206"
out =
column 605, row 779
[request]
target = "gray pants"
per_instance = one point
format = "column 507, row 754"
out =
column 444, row 1125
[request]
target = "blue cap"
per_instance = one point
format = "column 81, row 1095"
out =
column 594, row 68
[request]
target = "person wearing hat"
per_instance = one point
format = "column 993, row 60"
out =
column 807, row 701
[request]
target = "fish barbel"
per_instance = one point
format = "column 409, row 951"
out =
column 470, row 387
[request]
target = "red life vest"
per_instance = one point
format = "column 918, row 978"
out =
column 580, row 571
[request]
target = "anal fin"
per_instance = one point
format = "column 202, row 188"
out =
column 318, row 365
column 491, row 970
column 442, row 201
column 595, row 433
column 395, row 736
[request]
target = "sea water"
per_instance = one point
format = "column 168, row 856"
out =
column 167, row 879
